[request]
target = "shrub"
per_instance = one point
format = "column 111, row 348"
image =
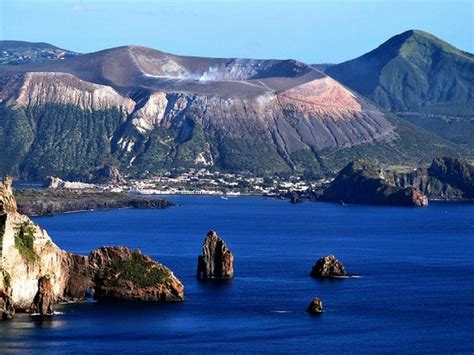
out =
column 24, row 240
column 141, row 272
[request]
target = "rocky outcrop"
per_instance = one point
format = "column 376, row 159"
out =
column 121, row 274
column 26, row 254
column 55, row 183
column 315, row 307
column 44, row 298
column 7, row 201
column 216, row 261
column 363, row 182
column 40, row 88
column 107, row 174
column 80, row 277
column 294, row 197
column 445, row 179
column 7, row 307
column 328, row 267
column 35, row 273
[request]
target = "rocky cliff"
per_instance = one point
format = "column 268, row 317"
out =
column 364, row 182
column 35, row 274
column 444, row 179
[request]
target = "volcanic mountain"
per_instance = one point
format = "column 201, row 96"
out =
column 421, row 78
column 146, row 110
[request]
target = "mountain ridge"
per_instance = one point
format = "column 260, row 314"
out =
column 419, row 77
column 146, row 110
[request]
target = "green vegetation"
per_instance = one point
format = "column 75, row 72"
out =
column 54, row 139
column 308, row 164
column 7, row 279
column 414, row 147
column 456, row 130
column 24, row 241
column 415, row 72
column 420, row 76
column 141, row 272
column 255, row 154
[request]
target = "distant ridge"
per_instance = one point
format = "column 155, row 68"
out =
column 21, row 52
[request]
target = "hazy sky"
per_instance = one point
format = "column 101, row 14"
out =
column 311, row 31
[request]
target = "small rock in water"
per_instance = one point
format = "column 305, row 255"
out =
column 216, row 261
column 44, row 299
column 328, row 267
column 315, row 307
column 7, row 308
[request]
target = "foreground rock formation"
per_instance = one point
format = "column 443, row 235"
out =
column 315, row 307
column 121, row 274
column 35, row 274
column 44, row 298
column 328, row 267
column 216, row 261
column 7, row 308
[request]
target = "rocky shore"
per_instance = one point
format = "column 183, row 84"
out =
column 363, row 182
column 367, row 182
column 35, row 274
column 49, row 201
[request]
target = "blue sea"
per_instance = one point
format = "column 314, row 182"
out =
column 414, row 291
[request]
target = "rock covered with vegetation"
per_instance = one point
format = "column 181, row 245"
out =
column 216, row 260
column 364, row 182
column 125, row 275
column 35, row 274
column 328, row 267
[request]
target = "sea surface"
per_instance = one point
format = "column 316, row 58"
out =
column 414, row 291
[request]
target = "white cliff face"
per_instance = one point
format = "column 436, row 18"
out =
column 40, row 88
column 23, row 272
column 150, row 115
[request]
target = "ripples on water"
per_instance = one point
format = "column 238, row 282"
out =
column 414, row 291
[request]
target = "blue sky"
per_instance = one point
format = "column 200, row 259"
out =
column 311, row 31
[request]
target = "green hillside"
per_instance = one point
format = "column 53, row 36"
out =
column 421, row 78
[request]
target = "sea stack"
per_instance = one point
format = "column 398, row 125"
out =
column 216, row 261
column 328, row 267
column 315, row 307
column 44, row 298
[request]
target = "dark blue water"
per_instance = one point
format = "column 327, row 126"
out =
column 415, row 293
